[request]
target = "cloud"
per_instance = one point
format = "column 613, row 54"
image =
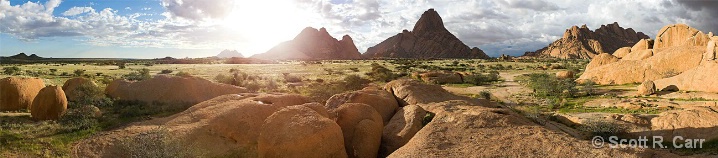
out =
column 78, row 10
column 537, row 5
column 198, row 10
column 128, row 8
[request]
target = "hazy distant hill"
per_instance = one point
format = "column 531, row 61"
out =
column 313, row 44
column 229, row 54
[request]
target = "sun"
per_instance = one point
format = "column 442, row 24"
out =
column 264, row 24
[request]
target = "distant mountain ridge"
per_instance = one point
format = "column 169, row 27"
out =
column 24, row 56
column 428, row 39
column 582, row 43
column 313, row 44
column 229, row 54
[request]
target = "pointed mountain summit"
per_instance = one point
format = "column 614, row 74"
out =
column 229, row 54
column 428, row 39
column 313, row 44
column 582, row 43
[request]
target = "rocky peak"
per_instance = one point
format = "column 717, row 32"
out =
column 313, row 44
column 581, row 42
column 430, row 21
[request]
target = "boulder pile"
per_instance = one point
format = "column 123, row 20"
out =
column 676, row 49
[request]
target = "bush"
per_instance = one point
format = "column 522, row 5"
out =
column 11, row 70
column 156, row 143
column 121, row 65
column 141, row 74
column 354, row 82
column 291, row 78
column 183, row 74
column 88, row 94
column 166, row 71
column 485, row 94
column 603, row 128
column 481, row 79
column 547, row 85
column 381, row 73
column 79, row 72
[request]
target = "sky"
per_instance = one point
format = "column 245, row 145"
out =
column 202, row 28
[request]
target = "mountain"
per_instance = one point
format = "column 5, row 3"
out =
column 24, row 56
column 313, row 44
column 428, row 39
column 229, row 54
column 582, row 43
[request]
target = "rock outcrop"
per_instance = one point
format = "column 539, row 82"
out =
column 382, row 101
column 170, row 89
column 428, row 39
column 692, row 123
column 582, row 43
column 18, row 93
column 226, row 124
column 565, row 74
column 71, row 85
column 300, row 130
column 313, row 44
column 402, row 127
column 678, row 52
column 362, row 127
column 646, row 88
column 601, row 59
column 49, row 104
column 411, row 92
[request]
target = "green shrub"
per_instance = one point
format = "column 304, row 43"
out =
column 603, row 128
column 121, row 65
column 381, row 73
column 166, row 71
column 139, row 75
column 11, row 70
column 79, row 72
column 183, row 74
column 427, row 118
column 354, row 82
column 88, row 94
column 482, row 79
column 547, row 85
column 485, row 94
column 291, row 78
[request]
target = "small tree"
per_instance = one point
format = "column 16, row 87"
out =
column 121, row 65
column 141, row 74
column 381, row 73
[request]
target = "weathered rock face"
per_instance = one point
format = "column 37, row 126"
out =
column 621, row 52
column 646, row 88
column 428, row 39
column 226, row 124
column 442, row 77
column 18, row 93
column 582, row 43
column 461, row 129
column 693, row 123
column 382, row 101
column 170, row 89
column 564, row 74
column 664, row 63
column 644, row 44
column 680, row 35
column 300, row 130
column 639, row 55
column 362, row 127
column 410, row 92
column 49, row 104
column 70, row 87
column 697, row 79
column 601, row 59
column 402, row 127
column 313, row 44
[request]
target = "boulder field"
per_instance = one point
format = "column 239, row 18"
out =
column 282, row 125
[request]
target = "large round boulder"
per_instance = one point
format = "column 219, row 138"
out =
column 402, row 127
column 49, row 104
column 620, row 52
column 362, row 129
column 565, row 74
column 18, row 93
column 408, row 92
column 646, row 88
column 299, row 131
column 170, row 89
column 71, row 85
column 600, row 60
column 382, row 101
